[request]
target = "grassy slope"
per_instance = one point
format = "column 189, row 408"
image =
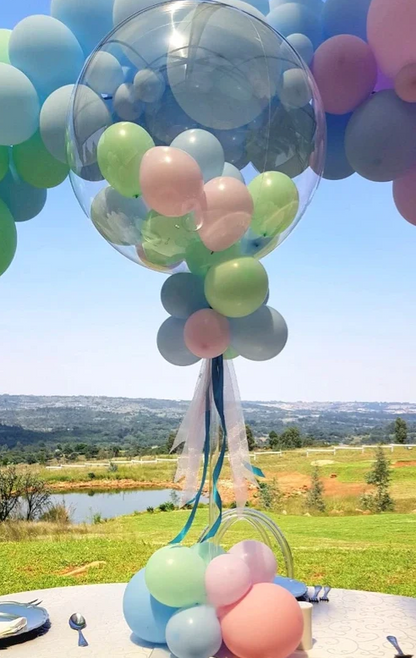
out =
column 369, row 552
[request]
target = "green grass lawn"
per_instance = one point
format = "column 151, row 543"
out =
column 376, row 553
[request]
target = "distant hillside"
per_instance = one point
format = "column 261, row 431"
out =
column 30, row 420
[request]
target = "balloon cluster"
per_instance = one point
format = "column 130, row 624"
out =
column 195, row 599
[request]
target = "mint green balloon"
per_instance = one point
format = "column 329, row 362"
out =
column 237, row 287
column 36, row 166
column 166, row 239
column 230, row 354
column 120, row 152
column 4, row 161
column 276, row 203
column 175, row 576
column 4, row 46
column 200, row 259
column 8, row 237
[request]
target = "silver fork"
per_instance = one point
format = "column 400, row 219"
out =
column 33, row 603
column 314, row 598
column 324, row 598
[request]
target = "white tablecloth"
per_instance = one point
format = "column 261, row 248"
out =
column 353, row 624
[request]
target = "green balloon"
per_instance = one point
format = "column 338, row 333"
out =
column 4, row 161
column 120, row 152
column 166, row 239
column 8, row 237
column 276, row 203
column 36, row 166
column 237, row 287
column 230, row 354
column 175, row 576
column 4, row 46
column 200, row 259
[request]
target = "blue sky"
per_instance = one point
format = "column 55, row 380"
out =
column 78, row 318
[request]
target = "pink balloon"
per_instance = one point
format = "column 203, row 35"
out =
column 391, row 33
column 383, row 82
column 405, row 83
column 225, row 213
column 259, row 558
column 266, row 623
column 207, row 333
column 345, row 71
column 404, row 193
column 171, row 181
column 227, row 580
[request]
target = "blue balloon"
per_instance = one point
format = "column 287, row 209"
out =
column 171, row 343
column 124, row 9
column 337, row 166
column 194, row 633
column 47, row 52
column 205, row 148
column 149, row 86
column 23, row 200
column 296, row 18
column 145, row 616
column 126, row 104
column 250, row 7
column 262, row 5
column 252, row 244
column 104, row 74
column 183, row 294
column 260, row 336
column 231, row 171
column 346, row 17
column 165, row 119
column 314, row 5
column 89, row 20
column 302, row 45
column 380, row 140
column 19, row 106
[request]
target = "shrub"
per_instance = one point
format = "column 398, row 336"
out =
column 149, row 510
column 91, row 475
column 315, row 498
column 58, row 513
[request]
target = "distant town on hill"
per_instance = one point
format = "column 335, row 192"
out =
column 38, row 424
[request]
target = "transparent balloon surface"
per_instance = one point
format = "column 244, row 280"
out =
column 221, row 85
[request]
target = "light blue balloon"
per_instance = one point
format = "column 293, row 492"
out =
column 294, row 89
column 260, row 336
column 231, row 171
column 205, row 148
column 126, row 104
column 337, row 166
column 149, row 86
column 208, row 551
column 104, row 74
column 89, row 20
column 171, row 343
column 47, row 52
column 183, row 294
column 19, row 106
column 262, row 5
column 124, row 9
column 145, row 616
column 314, row 5
column 194, row 633
column 346, row 17
column 23, row 200
column 252, row 244
column 293, row 18
column 302, row 45
column 250, row 7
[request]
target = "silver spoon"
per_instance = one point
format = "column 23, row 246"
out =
column 394, row 642
column 78, row 623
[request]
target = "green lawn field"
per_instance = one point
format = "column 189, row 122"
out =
column 376, row 553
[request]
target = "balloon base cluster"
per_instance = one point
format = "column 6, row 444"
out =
column 202, row 601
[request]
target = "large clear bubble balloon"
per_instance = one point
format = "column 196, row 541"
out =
column 181, row 103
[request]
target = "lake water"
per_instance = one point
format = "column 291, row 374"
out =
column 84, row 505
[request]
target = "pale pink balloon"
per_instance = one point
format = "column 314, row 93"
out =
column 391, row 33
column 171, row 181
column 225, row 213
column 227, row 580
column 207, row 333
column 405, row 83
column 259, row 558
column 404, row 193
column 345, row 71
column 383, row 82
column 266, row 623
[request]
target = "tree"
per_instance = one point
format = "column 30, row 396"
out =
column 315, row 498
column 270, row 495
column 273, row 440
column 291, row 438
column 379, row 476
column 36, row 495
column 250, row 439
column 10, row 491
column 400, row 430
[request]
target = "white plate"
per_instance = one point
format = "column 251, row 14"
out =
column 36, row 617
column 295, row 587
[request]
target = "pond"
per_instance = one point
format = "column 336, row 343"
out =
column 83, row 505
